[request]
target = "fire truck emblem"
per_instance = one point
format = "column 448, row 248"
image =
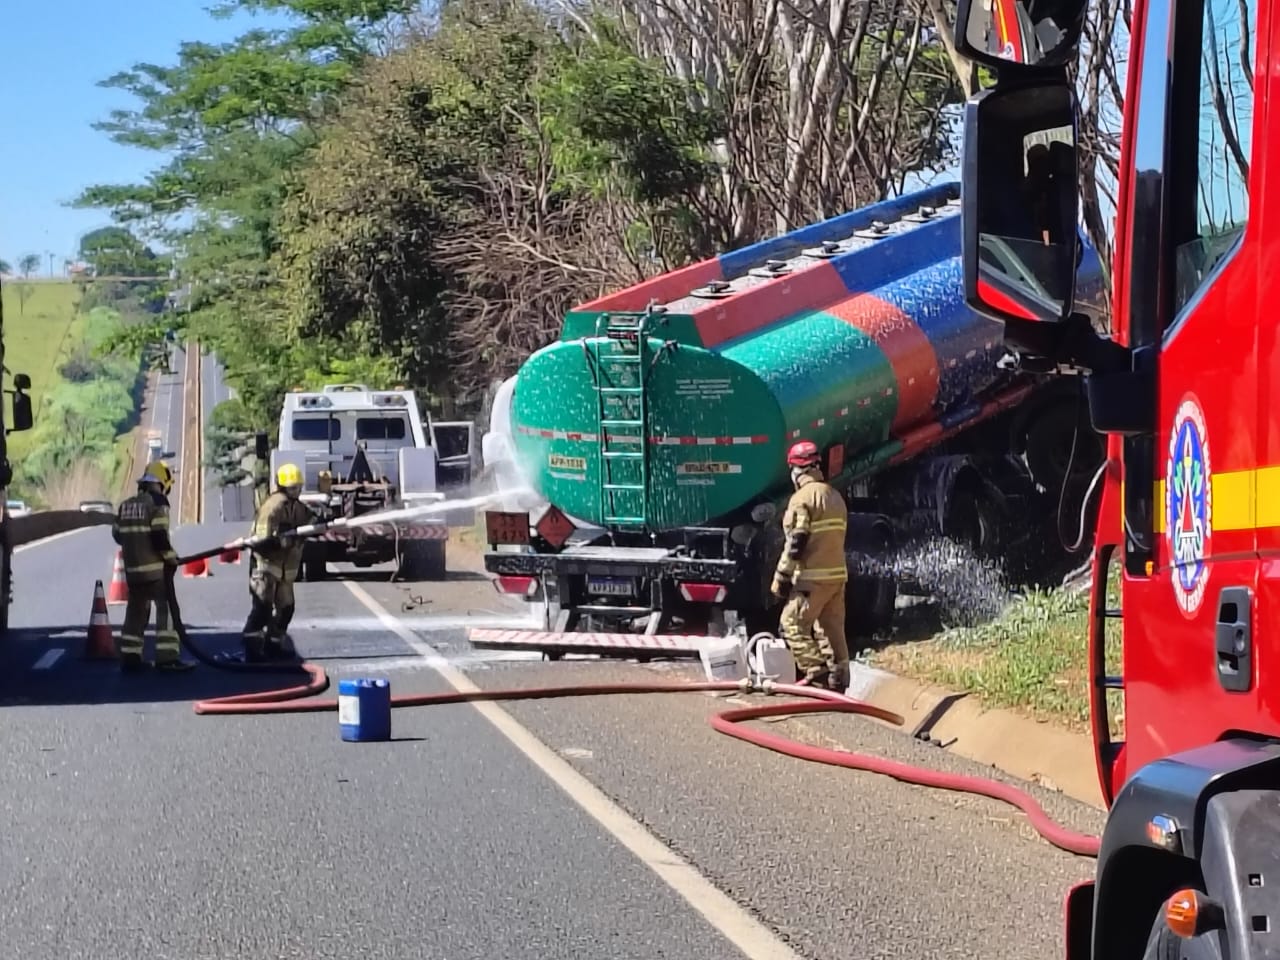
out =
column 1188, row 505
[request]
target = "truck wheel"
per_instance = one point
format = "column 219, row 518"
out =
column 6, row 589
column 869, row 606
column 314, row 567
column 424, row 560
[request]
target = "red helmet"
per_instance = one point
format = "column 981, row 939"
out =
column 803, row 453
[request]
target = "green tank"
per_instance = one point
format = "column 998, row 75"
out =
column 672, row 404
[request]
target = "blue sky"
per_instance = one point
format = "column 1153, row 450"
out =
column 53, row 59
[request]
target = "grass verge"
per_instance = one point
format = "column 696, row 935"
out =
column 1032, row 659
column 84, row 404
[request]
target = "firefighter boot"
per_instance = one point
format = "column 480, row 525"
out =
column 132, row 663
column 254, row 648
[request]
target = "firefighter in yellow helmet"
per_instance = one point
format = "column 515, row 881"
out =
column 273, row 568
column 812, row 573
column 141, row 528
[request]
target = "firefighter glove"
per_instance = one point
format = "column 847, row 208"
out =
column 781, row 586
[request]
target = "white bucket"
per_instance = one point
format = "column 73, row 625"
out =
column 771, row 658
column 723, row 658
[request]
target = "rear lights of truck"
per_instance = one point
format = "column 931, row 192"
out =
column 703, row 592
column 517, row 586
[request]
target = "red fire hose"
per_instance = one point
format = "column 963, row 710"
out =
column 302, row 699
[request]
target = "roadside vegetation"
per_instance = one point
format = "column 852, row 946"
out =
column 85, row 399
column 1032, row 658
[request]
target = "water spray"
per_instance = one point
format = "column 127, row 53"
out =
column 434, row 510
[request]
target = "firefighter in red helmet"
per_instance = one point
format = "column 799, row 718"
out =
column 812, row 572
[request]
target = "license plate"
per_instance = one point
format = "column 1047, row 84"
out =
column 611, row 586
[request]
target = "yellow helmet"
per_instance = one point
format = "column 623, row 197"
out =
column 288, row 476
column 158, row 472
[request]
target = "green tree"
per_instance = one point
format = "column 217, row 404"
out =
column 236, row 118
column 29, row 264
column 115, row 251
column 6, row 267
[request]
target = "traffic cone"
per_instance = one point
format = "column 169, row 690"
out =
column 101, row 642
column 119, row 586
column 230, row 557
column 197, row 568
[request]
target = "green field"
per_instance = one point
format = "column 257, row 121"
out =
column 85, row 405
column 38, row 336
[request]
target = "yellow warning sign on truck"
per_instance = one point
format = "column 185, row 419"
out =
column 558, row 462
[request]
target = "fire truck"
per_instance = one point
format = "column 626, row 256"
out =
column 1189, row 861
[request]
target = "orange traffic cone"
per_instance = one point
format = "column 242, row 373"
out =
column 101, row 643
column 119, row 586
column 197, row 568
column 229, row 556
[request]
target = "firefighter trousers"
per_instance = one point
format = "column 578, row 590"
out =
column 271, row 604
column 813, row 625
column 143, row 595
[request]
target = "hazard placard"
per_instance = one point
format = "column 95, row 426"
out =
column 506, row 528
column 554, row 527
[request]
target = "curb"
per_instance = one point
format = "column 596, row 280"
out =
column 1039, row 753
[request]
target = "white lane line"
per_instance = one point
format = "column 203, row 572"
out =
column 55, row 536
column 752, row 938
column 49, row 659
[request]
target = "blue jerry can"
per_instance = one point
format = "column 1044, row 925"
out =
column 364, row 710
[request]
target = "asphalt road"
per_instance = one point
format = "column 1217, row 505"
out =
column 229, row 504
column 163, row 411
column 135, row 828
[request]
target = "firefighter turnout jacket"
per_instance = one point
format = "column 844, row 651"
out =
column 280, row 514
column 141, row 528
column 814, row 523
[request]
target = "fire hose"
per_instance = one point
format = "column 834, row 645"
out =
column 303, row 697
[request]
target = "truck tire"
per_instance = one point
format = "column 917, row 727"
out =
column 869, row 604
column 424, row 560
column 6, row 588
column 314, row 567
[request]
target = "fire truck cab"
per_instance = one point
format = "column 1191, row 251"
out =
column 1189, row 865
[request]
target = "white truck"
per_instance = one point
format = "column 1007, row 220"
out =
column 362, row 451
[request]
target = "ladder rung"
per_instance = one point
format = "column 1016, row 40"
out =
column 622, row 423
column 1113, row 612
column 1113, row 683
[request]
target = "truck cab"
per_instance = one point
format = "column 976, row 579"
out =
column 362, row 450
column 1182, row 388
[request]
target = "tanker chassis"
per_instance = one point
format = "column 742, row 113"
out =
column 656, row 427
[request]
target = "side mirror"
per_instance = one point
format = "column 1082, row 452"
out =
column 21, row 381
column 22, row 416
column 1034, row 34
column 261, row 447
column 1020, row 203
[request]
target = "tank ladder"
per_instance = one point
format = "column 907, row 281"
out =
column 619, row 350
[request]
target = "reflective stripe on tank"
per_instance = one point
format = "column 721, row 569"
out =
column 657, row 441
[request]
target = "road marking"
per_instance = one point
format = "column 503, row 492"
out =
column 56, row 536
column 752, row 938
column 49, row 659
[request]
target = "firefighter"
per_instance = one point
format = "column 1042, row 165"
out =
column 812, row 573
column 273, row 568
column 141, row 528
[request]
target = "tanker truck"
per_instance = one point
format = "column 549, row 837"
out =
column 660, row 420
